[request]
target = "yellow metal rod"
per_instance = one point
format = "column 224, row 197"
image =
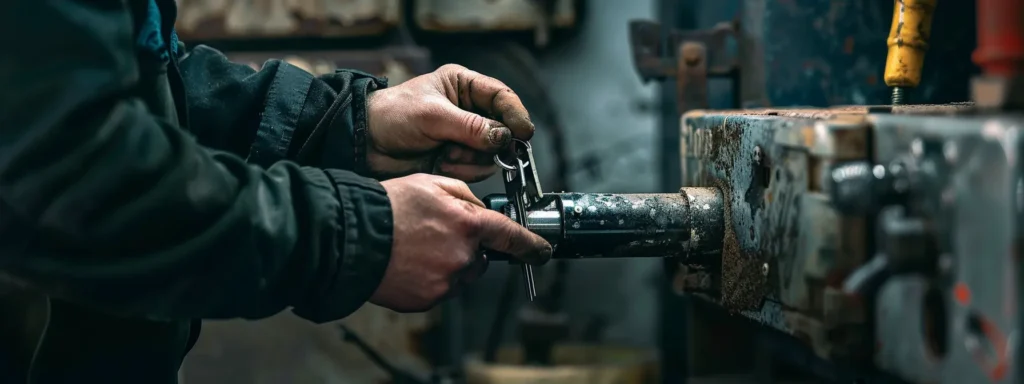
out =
column 908, row 41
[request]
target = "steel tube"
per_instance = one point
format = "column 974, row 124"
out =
column 688, row 224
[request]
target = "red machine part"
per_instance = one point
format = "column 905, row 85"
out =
column 1000, row 49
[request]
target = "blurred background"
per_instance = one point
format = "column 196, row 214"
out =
column 603, row 125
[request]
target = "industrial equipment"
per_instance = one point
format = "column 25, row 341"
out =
column 883, row 239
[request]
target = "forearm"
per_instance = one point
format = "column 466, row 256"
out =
column 105, row 205
column 278, row 112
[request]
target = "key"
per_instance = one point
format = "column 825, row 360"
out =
column 522, row 185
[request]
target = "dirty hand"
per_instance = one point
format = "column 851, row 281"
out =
column 439, row 230
column 450, row 122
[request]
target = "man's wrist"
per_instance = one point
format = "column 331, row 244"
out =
column 363, row 85
column 365, row 229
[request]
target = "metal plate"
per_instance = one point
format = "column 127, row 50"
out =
column 977, row 281
column 773, row 167
column 246, row 19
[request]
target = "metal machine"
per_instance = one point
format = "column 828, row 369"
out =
column 884, row 239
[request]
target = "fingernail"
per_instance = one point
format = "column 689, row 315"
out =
column 499, row 136
column 544, row 255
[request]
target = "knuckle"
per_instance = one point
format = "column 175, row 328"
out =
column 476, row 124
column 430, row 109
column 511, row 241
column 452, row 68
column 465, row 222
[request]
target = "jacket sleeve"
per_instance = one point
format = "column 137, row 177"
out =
column 278, row 112
column 105, row 205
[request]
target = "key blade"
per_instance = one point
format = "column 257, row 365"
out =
column 531, row 290
column 531, row 180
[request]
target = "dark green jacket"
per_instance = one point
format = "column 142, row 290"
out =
column 143, row 187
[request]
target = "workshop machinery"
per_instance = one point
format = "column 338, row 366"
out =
column 883, row 240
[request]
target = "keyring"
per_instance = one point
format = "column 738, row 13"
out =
column 502, row 165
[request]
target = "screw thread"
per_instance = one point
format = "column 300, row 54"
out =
column 898, row 96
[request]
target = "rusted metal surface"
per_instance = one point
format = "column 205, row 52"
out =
column 625, row 225
column 689, row 57
column 490, row 15
column 238, row 19
column 692, row 77
column 941, row 272
column 688, row 225
column 786, row 251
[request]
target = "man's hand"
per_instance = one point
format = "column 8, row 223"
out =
column 449, row 122
column 439, row 230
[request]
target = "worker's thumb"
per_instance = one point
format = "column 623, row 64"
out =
column 472, row 130
column 499, row 233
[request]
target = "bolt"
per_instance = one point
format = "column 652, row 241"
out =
column 765, row 269
column 578, row 210
column 898, row 96
column 693, row 54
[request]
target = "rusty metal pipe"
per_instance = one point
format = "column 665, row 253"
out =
column 688, row 224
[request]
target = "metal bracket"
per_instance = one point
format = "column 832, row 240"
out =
column 691, row 57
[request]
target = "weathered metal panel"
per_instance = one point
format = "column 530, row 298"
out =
column 945, row 297
column 490, row 15
column 979, row 197
column 246, row 19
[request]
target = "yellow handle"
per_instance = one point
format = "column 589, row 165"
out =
column 908, row 41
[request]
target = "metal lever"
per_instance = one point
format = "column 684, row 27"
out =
column 522, row 186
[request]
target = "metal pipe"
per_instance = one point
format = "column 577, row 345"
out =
column 688, row 224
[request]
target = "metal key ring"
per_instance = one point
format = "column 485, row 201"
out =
column 501, row 164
